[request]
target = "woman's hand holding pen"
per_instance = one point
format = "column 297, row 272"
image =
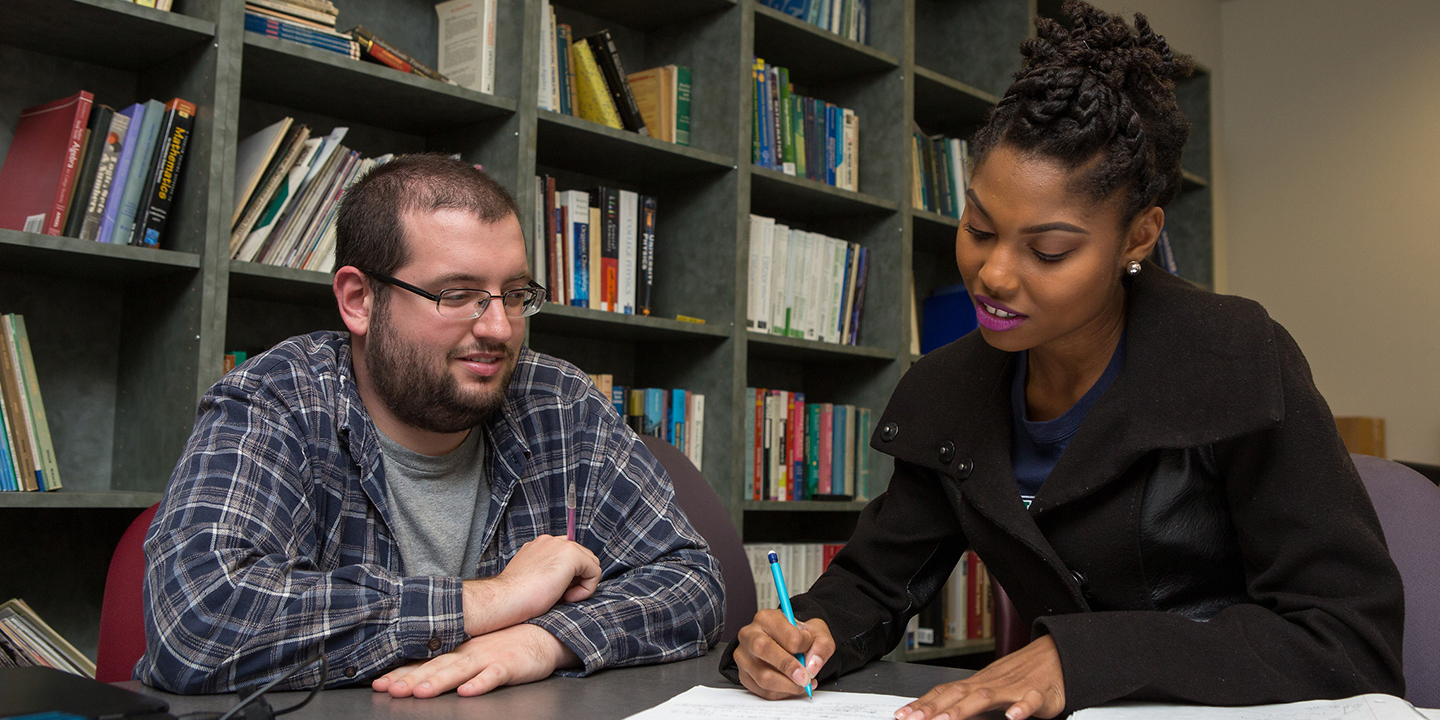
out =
column 1025, row 683
column 766, row 649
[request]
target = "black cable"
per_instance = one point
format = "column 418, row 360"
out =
column 256, row 694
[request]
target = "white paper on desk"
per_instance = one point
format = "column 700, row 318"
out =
column 737, row 704
column 1360, row 707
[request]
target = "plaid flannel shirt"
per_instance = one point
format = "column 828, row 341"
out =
column 273, row 542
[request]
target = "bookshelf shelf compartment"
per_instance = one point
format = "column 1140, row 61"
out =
column 811, row 52
column 795, row 349
column 567, row 320
column 943, row 104
column 785, row 197
column 934, row 233
column 646, row 14
column 294, row 75
column 75, row 258
column 273, row 282
column 804, row 505
column 568, row 142
column 65, row 499
column 110, row 33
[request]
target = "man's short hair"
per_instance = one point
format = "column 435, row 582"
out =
column 369, row 234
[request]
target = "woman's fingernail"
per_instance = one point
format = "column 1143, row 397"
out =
column 799, row 677
column 1012, row 714
column 902, row 713
column 812, row 664
column 942, row 716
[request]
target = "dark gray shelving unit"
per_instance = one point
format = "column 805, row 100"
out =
column 126, row 338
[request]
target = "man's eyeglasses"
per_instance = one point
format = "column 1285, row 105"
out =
column 468, row 303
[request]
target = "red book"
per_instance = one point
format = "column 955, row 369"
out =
column 40, row 168
column 829, row 554
column 973, row 586
column 792, row 430
column 758, row 492
column 827, row 446
column 555, row 270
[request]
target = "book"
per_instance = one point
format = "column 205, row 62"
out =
column 276, row 174
column 609, row 245
column 40, row 167
column 645, row 276
column 320, row 14
column 682, row 105
column 110, row 215
column 304, row 35
column 375, row 48
column 17, row 418
column 138, row 173
column 27, row 641
column 546, row 95
column 91, row 149
column 165, row 173
column 629, row 251
column 564, row 73
column 577, row 204
column 592, row 96
column 607, row 56
column 466, row 43
column 594, row 262
column 252, row 156
column 40, row 422
column 654, row 91
column 695, row 430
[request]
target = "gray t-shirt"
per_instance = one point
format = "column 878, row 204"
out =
column 438, row 506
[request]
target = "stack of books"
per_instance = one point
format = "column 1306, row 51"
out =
column 675, row 416
column 27, row 454
column 963, row 610
column 804, row 284
column 599, row 247
column 375, row 49
column 308, row 22
column 801, row 564
column 847, row 18
column 801, row 136
column 287, row 191
column 585, row 78
column 467, row 43
column 805, row 451
column 85, row 170
column 26, row 641
column 940, row 173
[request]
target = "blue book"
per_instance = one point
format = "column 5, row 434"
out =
column 839, row 328
column 617, row 398
column 675, row 430
column 135, row 178
column 653, row 423
column 581, row 233
column 7, row 458
column 948, row 314
column 767, row 146
column 296, row 33
column 797, row 8
column 111, row 213
column 797, row 469
column 837, row 452
column 859, row 302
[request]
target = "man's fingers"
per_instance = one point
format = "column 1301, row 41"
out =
column 490, row 678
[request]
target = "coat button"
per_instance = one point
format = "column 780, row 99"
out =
column 963, row 468
column 434, row 644
column 1081, row 580
column 947, row 452
column 351, row 672
column 888, row 431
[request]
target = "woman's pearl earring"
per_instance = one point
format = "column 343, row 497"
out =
column 1133, row 268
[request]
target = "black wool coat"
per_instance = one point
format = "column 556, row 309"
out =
column 1321, row 612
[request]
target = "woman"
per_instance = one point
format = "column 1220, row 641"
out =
column 1203, row 537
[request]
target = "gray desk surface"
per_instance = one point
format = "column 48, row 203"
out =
column 606, row 695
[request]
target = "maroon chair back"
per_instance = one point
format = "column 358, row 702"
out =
column 122, row 613
column 1409, row 508
column 1011, row 632
column 705, row 511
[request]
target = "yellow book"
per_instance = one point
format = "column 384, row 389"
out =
column 592, row 94
column 597, row 230
column 655, row 98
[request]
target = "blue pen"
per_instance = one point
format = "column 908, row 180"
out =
column 785, row 606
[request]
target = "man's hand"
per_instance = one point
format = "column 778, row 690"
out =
column 513, row 656
column 765, row 652
column 545, row 571
column 1025, row 683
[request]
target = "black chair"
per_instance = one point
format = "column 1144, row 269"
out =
column 1432, row 472
column 705, row 511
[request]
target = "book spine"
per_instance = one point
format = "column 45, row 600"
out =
column 111, row 215
column 827, row 444
column 629, row 250
column 767, row 142
column 859, row 304
column 758, row 471
column 372, row 50
column 563, row 71
column 8, row 471
column 416, row 66
column 679, row 410
column 610, row 252
column 487, row 58
column 111, row 147
column 180, row 118
column 547, row 57
column 787, row 135
column 645, row 279
column 812, row 449
column 56, row 216
column 594, row 273
column 838, row 459
column 756, row 151
column 608, row 56
column 777, row 134
column 591, row 93
column 580, row 247
column 83, row 177
column 792, row 431
column 44, row 442
column 682, row 105
column 13, row 390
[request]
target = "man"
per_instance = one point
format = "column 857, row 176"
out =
column 395, row 498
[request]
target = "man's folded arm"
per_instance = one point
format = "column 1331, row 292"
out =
column 233, row 593
column 661, row 597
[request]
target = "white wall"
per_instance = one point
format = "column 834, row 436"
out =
column 1330, row 139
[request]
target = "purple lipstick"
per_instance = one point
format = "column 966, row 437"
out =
column 996, row 316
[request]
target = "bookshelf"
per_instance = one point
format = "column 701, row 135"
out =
column 127, row 338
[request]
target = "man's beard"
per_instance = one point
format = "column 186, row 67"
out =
column 425, row 398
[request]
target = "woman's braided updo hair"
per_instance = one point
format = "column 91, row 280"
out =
column 1099, row 97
